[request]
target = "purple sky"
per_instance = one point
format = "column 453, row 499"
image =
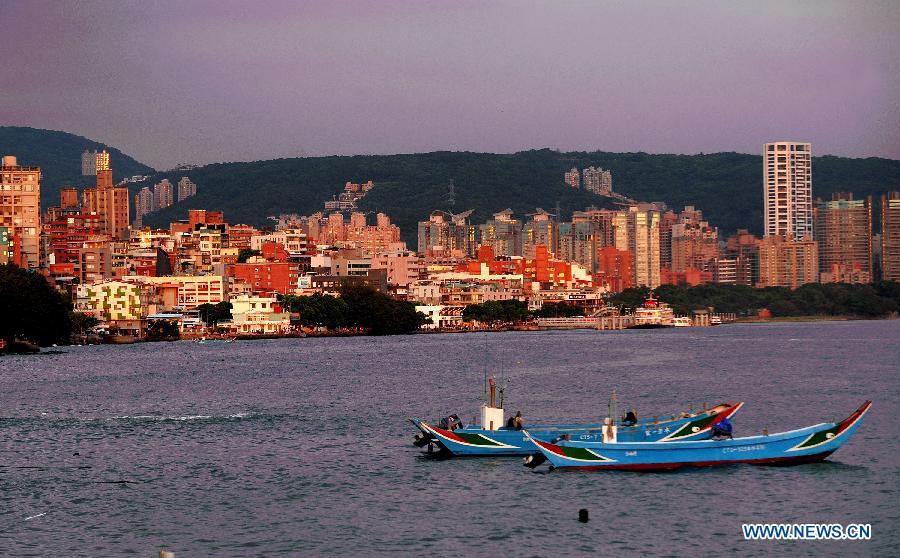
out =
column 205, row 81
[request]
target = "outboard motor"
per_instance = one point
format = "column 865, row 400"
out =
column 535, row 460
column 422, row 440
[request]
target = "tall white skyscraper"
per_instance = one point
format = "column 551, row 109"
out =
column 787, row 185
column 637, row 230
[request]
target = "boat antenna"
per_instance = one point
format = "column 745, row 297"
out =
column 484, row 361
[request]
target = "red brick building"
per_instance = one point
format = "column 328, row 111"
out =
column 267, row 277
column 614, row 269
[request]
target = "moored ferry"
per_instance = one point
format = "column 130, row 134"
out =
column 653, row 314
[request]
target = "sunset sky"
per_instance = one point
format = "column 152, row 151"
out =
column 197, row 81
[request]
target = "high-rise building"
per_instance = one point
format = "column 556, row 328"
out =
column 68, row 198
column 579, row 242
column 614, row 269
column 503, row 233
column 597, row 180
column 540, row 230
column 843, row 230
column 605, row 221
column 357, row 220
column 573, row 178
column 186, row 188
column 890, row 236
column 637, row 230
column 447, row 233
column 108, row 201
column 688, row 231
column 20, row 213
column 666, row 221
column 143, row 204
column 162, row 195
column 743, row 248
column 694, row 246
column 102, row 161
column 787, row 186
column 95, row 259
column 788, row 263
column 89, row 163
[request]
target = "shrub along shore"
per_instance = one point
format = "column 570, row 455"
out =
column 33, row 314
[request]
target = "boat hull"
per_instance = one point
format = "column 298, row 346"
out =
column 509, row 442
column 806, row 445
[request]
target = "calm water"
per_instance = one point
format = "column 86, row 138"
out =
column 301, row 447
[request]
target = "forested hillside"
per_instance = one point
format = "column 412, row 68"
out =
column 59, row 156
column 726, row 186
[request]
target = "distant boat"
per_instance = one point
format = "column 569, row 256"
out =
column 805, row 445
column 682, row 321
column 715, row 320
column 120, row 339
column 653, row 314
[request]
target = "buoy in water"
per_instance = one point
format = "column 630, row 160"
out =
column 583, row 515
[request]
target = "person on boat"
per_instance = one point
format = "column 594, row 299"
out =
column 515, row 423
column 451, row 423
column 722, row 429
column 630, row 418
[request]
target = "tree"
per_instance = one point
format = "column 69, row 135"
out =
column 320, row 310
column 630, row 298
column 82, row 323
column 211, row 314
column 370, row 309
column 31, row 309
column 497, row 311
column 246, row 253
column 826, row 299
column 558, row 310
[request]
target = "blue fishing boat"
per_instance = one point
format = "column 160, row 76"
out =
column 494, row 438
column 805, row 445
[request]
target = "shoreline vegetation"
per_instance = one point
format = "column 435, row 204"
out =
column 34, row 315
column 24, row 348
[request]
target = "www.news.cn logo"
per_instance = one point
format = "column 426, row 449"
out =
column 807, row 531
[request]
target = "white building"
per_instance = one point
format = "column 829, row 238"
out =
column 637, row 230
column 787, row 187
column 597, row 180
column 186, row 188
column 252, row 314
column 573, row 178
column 442, row 316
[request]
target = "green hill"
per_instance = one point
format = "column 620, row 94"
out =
column 407, row 187
column 726, row 186
column 59, row 156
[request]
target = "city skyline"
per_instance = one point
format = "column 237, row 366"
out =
column 341, row 78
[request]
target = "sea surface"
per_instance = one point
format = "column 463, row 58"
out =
column 301, row 447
